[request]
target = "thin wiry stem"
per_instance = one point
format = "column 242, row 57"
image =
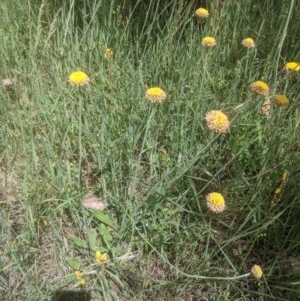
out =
column 283, row 36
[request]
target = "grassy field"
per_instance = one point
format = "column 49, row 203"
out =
column 152, row 165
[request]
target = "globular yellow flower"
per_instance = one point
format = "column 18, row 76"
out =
column 217, row 121
column 78, row 78
column 215, row 202
column 292, row 66
column 281, row 100
column 108, row 53
column 82, row 282
column 248, row 43
column 202, row 13
column 101, row 257
column 266, row 107
column 256, row 271
column 260, row 87
column 209, row 42
column 155, row 94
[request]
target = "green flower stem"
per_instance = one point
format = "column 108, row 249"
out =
column 80, row 144
column 283, row 36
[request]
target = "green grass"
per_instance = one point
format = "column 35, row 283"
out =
column 153, row 164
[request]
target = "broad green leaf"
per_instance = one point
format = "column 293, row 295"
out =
column 80, row 242
column 74, row 263
column 105, row 235
column 102, row 217
column 92, row 236
column 69, row 279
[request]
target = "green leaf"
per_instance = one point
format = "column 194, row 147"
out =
column 69, row 279
column 102, row 217
column 80, row 242
column 74, row 263
column 105, row 235
column 92, row 236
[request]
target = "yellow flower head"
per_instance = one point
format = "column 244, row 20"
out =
column 284, row 176
column 108, row 53
column 260, row 87
column 257, row 272
column 155, row 94
column 101, row 257
column 78, row 275
column 277, row 190
column 281, row 100
column 248, row 43
column 202, row 13
column 82, row 282
column 217, row 121
column 215, row 202
column 293, row 66
column 266, row 107
column 209, row 42
column 78, row 78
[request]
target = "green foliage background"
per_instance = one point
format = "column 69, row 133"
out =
column 152, row 164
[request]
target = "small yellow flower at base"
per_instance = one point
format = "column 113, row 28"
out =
column 281, row 100
column 257, row 272
column 260, row 87
column 108, row 53
column 202, row 13
column 82, row 282
column 217, row 121
column 101, row 257
column 209, row 42
column 78, row 78
column 78, row 275
column 215, row 202
column 155, row 94
column 248, row 43
column 292, row 66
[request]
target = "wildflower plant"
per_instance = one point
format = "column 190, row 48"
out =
column 78, row 78
column 248, row 43
column 216, row 202
column 281, row 100
column 260, row 87
column 202, row 13
column 292, row 66
column 217, row 121
column 257, row 272
column 101, row 257
column 155, row 95
column 209, row 41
